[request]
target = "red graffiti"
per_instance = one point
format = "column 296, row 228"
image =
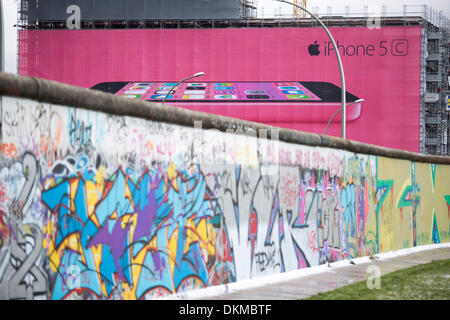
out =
column 312, row 243
column 226, row 249
column 3, row 196
column 289, row 185
column 4, row 229
column 9, row 150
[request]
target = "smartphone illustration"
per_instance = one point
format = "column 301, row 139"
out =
column 261, row 101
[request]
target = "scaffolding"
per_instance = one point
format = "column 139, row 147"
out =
column 249, row 9
column 435, row 72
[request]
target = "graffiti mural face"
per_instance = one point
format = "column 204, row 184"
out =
column 94, row 206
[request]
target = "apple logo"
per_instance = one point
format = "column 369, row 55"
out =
column 313, row 49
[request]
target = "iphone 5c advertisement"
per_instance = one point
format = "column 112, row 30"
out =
column 286, row 77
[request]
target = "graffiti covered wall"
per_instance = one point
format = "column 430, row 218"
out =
column 96, row 206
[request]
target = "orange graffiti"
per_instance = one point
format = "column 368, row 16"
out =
column 9, row 150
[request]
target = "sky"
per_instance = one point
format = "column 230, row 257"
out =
column 9, row 19
column 356, row 6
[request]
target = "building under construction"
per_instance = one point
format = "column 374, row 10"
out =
column 201, row 14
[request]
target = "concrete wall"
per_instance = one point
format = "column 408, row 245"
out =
column 97, row 205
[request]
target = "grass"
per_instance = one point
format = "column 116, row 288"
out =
column 429, row 281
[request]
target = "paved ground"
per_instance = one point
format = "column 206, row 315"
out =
column 335, row 277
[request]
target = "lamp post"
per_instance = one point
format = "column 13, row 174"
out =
column 341, row 69
column 340, row 109
column 198, row 74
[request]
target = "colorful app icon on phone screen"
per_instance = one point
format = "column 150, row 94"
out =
column 225, row 96
column 288, row 88
column 258, row 96
column 161, row 96
column 292, row 91
column 134, row 92
column 140, row 88
column 168, row 84
column 224, row 92
column 131, row 96
column 164, row 92
column 195, row 88
column 224, row 88
column 167, row 88
column 298, row 96
column 255, row 91
column 290, row 84
column 194, row 96
column 194, row 92
column 226, row 84
column 196, row 84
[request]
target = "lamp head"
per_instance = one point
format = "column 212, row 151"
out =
column 198, row 74
column 356, row 101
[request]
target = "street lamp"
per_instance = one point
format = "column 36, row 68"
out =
column 340, row 109
column 341, row 69
column 198, row 74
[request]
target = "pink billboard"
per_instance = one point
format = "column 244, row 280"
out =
column 287, row 77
